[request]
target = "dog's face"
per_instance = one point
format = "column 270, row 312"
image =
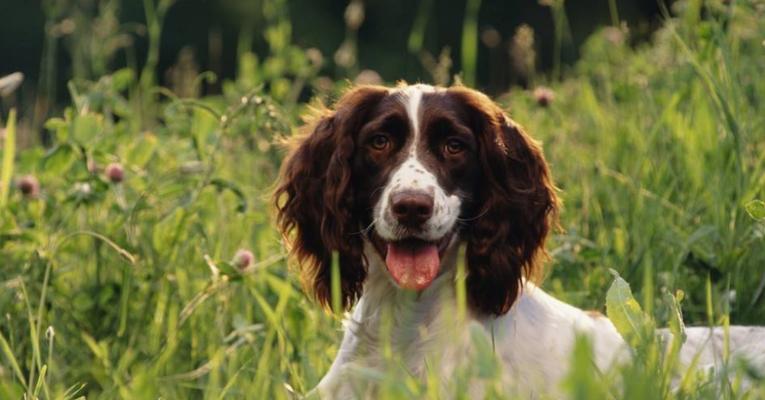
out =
column 414, row 170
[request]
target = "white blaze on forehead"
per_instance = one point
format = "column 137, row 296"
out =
column 413, row 175
column 411, row 96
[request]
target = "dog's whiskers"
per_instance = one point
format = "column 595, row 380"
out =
column 372, row 195
column 365, row 231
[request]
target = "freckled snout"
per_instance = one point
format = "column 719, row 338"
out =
column 411, row 208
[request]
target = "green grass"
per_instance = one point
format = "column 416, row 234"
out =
column 129, row 290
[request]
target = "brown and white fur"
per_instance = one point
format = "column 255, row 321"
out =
column 416, row 170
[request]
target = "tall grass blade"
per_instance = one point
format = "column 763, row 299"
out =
column 337, row 300
column 709, row 307
column 34, row 336
column 614, row 12
column 470, row 42
column 41, row 381
column 9, row 153
column 12, row 360
column 417, row 35
column 460, row 282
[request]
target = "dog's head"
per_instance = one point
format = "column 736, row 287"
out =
column 416, row 170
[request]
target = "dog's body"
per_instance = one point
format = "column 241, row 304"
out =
column 396, row 181
column 529, row 339
column 533, row 340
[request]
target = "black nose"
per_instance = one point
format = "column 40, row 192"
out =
column 411, row 208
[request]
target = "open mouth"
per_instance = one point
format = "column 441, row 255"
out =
column 413, row 263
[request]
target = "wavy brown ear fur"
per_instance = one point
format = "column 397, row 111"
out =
column 516, row 207
column 314, row 197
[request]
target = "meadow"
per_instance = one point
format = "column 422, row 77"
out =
column 139, row 257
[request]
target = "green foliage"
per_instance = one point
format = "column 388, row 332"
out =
column 658, row 150
column 128, row 288
column 756, row 209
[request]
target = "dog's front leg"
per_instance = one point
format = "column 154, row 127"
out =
column 338, row 382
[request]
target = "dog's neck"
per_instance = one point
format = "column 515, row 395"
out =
column 408, row 316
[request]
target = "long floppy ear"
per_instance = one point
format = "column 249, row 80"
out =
column 516, row 206
column 314, row 198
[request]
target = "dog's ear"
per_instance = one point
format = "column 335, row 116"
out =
column 315, row 198
column 516, row 205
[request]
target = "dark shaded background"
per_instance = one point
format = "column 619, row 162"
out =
column 382, row 38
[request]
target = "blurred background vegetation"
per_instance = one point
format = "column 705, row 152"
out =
column 53, row 41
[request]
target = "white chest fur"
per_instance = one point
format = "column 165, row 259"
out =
column 532, row 341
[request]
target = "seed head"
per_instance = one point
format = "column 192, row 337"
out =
column 29, row 186
column 345, row 56
column 243, row 259
column 368, row 77
column 615, row 35
column 522, row 51
column 83, row 188
column 192, row 167
column 9, row 83
column 544, row 96
column 115, row 172
column 354, row 15
column 491, row 38
column 315, row 57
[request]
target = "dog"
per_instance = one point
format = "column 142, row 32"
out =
column 401, row 184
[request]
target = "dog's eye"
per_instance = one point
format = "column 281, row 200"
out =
column 379, row 142
column 454, row 146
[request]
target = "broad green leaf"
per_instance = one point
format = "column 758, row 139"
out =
column 86, row 128
column 54, row 124
column 122, row 79
column 142, row 150
column 625, row 312
column 59, row 160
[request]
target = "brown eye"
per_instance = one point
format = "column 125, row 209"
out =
column 454, row 146
column 379, row 142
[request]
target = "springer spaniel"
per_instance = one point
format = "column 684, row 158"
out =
column 395, row 181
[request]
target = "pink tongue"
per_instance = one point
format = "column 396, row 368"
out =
column 413, row 265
